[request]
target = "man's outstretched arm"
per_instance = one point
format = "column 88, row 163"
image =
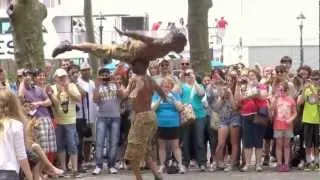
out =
column 136, row 36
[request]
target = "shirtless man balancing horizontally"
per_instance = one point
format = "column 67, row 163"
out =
column 139, row 47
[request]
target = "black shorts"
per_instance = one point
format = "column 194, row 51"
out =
column 168, row 133
column 268, row 135
column 311, row 135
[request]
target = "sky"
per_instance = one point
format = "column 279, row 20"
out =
column 257, row 21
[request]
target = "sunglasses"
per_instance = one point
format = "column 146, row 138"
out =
column 185, row 64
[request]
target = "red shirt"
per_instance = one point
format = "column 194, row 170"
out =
column 285, row 106
column 222, row 24
column 248, row 107
column 155, row 26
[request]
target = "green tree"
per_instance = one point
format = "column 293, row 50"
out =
column 93, row 60
column 198, row 34
column 26, row 18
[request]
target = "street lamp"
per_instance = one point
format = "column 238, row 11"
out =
column 101, row 18
column 301, row 18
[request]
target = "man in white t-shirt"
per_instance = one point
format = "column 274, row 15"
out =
column 86, row 114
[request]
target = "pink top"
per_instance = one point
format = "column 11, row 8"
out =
column 285, row 107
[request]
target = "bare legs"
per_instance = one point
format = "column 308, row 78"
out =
column 174, row 144
column 222, row 137
column 44, row 164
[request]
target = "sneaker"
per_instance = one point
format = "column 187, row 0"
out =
column 308, row 167
column 202, row 168
column 113, row 170
column 182, row 169
column 76, row 175
column 285, row 168
column 61, row 48
column 301, row 165
column 228, row 168
column 161, row 169
column 259, row 168
column 244, row 168
column 213, row 167
column 279, row 167
column 192, row 164
column 97, row 171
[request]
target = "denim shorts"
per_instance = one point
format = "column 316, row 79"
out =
column 232, row 121
column 67, row 138
column 282, row 133
column 252, row 134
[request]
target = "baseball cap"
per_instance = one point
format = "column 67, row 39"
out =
column 84, row 66
column 20, row 72
column 161, row 60
column 60, row 72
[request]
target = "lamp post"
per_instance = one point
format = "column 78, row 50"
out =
column 101, row 18
column 301, row 18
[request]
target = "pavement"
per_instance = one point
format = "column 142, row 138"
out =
column 268, row 174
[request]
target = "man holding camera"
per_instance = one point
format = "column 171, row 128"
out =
column 107, row 95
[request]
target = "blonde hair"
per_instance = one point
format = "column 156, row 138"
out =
column 168, row 80
column 10, row 108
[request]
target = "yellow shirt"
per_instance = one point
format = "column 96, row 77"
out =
column 311, row 112
column 64, row 108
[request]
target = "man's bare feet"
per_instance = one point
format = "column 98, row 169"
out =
column 61, row 48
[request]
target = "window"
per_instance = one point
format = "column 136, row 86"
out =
column 4, row 4
column 51, row 3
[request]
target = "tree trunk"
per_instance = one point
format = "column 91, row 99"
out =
column 26, row 18
column 93, row 60
column 198, row 34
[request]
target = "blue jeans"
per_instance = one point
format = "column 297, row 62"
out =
column 67, row 138
column 107, row 128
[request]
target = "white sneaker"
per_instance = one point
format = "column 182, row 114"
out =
column 301, row 165
column 113, row 170
column 161, row 169
column 213, row 167
column 182, row 169
column 97, row 171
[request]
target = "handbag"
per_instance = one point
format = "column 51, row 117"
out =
column 214, row 120
column 86, row 129
column 262, row 117
column 187, row 114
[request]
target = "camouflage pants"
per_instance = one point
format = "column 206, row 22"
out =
column 141, row 133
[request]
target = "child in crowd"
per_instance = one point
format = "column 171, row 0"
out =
column 284, row 112
column 311, row 120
